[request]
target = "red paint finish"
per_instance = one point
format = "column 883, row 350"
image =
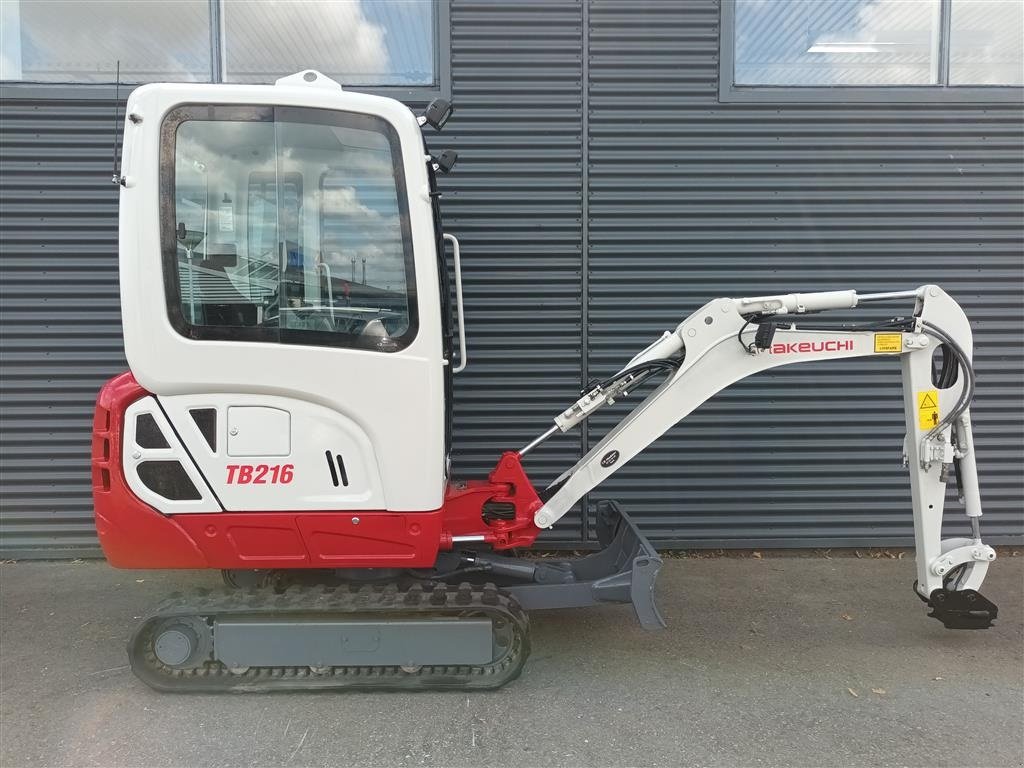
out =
column 315, row 539
column 134, row 535
column 507, row 483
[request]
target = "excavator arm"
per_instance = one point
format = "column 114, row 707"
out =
column 728, row 340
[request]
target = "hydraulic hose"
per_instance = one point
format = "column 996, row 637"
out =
column 967, row 393
column 648, row 367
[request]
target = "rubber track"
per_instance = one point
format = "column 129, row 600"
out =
column 317, row 603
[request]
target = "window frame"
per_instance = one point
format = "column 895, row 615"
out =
column 942, row 93
column 442, row 86
column 169, row 125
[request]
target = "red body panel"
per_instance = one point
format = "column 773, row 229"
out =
column 315, row 539
column 132, row 533
column 135, row 535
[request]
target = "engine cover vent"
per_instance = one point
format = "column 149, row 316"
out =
column 206, row 422
column 338, row 472
column 147, row 432
column 168, row 479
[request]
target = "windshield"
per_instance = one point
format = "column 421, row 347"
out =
column 287, row 225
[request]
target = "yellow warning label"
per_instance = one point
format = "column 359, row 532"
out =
column 928, row 408
column 888, row 342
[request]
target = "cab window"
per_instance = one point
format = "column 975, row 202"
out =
column 286, row 225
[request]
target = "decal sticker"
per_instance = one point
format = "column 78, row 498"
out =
column 928, row 408
column 260, row 474
column 888, row 342
column 609, row 458
column 226, row 220
column 800, row 347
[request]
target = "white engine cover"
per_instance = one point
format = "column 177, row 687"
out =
column 279, row 454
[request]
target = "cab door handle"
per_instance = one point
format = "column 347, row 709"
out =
column 458, row 303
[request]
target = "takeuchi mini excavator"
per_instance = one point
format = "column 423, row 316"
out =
column 286, row 420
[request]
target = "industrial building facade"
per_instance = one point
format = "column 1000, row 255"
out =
column 620, row 164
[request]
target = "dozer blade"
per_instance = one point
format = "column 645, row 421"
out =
column 624, row 571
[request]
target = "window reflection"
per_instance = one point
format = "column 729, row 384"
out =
column 291, row 225
column 357, row 42
column 987, row 43
column 837, row 42
column 75, row 41
column 378, row 42
column 877, row 42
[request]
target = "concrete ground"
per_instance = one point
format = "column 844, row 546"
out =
column 774, row 661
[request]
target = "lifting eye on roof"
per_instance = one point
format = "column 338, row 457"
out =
column 445, row 161
column 437, row 114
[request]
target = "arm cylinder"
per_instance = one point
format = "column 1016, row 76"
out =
column 968, row 466
column 798, row 302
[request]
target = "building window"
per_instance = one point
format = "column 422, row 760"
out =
column 288, row 225
column 986, row 43
column 795, row 50
column 394, row 46
column 837, row 42
column 70, row 41
column 355, row 43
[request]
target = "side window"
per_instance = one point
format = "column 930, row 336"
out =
column 274, row 224
column 226, row 274
column 286, row 225
column 262, row 206
column 361, row 236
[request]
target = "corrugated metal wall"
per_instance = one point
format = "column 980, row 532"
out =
column 60, row 317
column 515, row 203
column 677, row 198
column 691, row 199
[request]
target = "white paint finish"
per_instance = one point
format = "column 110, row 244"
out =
column 928, row 492
column 255, row 430
column 960, row 551
column 715, row 360
column 309, row 78
column 382, row 394
column 799, row 302
column 133, row 454
column 314, row 431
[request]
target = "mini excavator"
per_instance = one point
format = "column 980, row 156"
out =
column 291, row 338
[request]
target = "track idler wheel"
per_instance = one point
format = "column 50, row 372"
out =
column 183, row 642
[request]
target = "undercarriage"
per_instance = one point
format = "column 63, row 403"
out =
column 460, row 625
column 431, row 635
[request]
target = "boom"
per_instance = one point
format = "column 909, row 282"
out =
column 728, row 340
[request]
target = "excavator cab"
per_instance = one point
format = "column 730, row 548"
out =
column 280, row 274
column 286, row 416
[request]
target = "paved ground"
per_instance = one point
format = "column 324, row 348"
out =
column 760, row 666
